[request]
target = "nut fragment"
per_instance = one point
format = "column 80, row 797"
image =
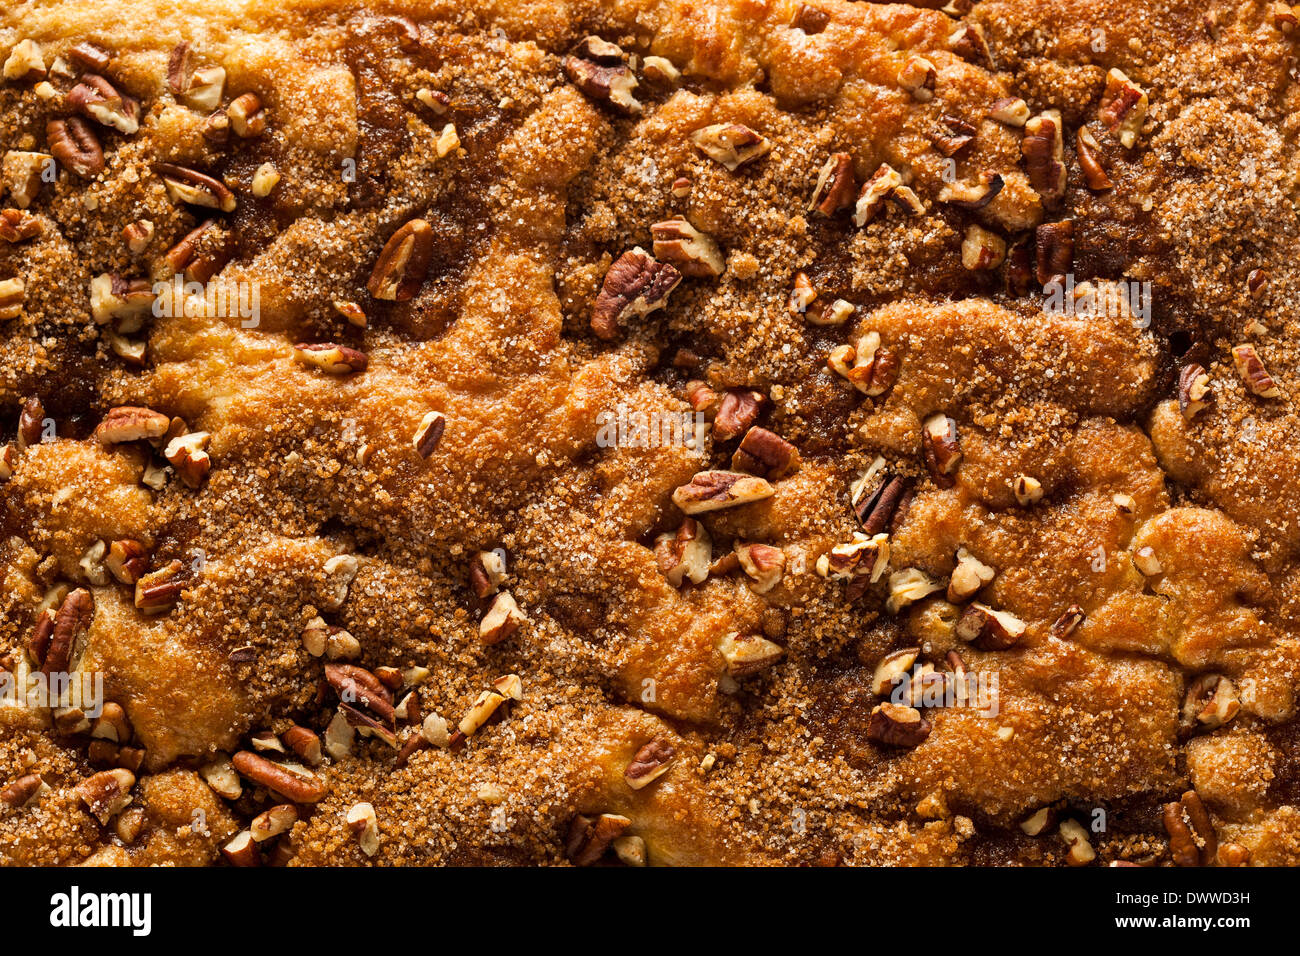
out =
column 739, row 409
column 194, row 188
column 159, row 590
column 1192, row 838
column 97, row 99
column 635, row 285
column 296, row 784
column 127, row 560
column 969, row 43
column 885, row 183
column 106, row 793
column 1211, row 701
column 1054, row 248
column 247, row 118
column 1068, row 622
column 362, row 821
column 25, row 62
column 660, row 70
column 18, row 226
column 731, row 144
column 746, row 654
column 137, row 235
column 484, row 706
column 1043, row 147
column 941, row 448
column 872, row 370
column 893, row 667
column 588, row 838
column 630, row 850
column 1252, row 371
column 897, row 725
column 502, row 619
column 74, row 144
column 1123, row 107
column 127, row 423
column 860, row 562
column 1089, row 152
column 970, row 575
column 972, row 197
column 21, row 173
column 1039, row 822
column 486, row 573
column 982, row 249
column 1010, row 111
column 272, row 822
column 265, row 178
column 221, row 777
column 650, row 762
column 242, row 851
column 836, row 186
column 1081, row 852
column 13, row 293
column 1028, row 490
column 954, row 137
column 766, row 454
column 918, row 77
column 403, row 263
column 712, row 490
column 687, row 249
column 908, row 586
column 686, row 555
column 187, row 455
column 22, row 791
column 330, row 358
column 128, row 301
column 429, row 433
column 990, row 630
column 599, row 68
column 90, row 56
column 763, row 563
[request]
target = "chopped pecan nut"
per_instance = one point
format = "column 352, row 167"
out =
column 908, row 586
column 187, row 455
column 18, row 226
column 941, row 447
column 272, row 822
column 90, row 56
column 972, row 197
column 879, row 498
column 686, row 555
column 982, row 249
column 811, row 20
column 990, row 630
column 731, row 144
column 1054, row 250
column 31, row 421
column 21, row 172
column 1210, row 701
column 1089, row 153
column 1043, row 147
column 861, row 562
column 739, row 409
column 200, row 254
column 1075, row 836
column 502, row 619
column 137, row 235
column 487, row 572
column 127, row 423
column 107, row 793
column 1068, row 622
column 74, row 144
column 918, row 77
column 69, row 625
column 746, row 654
column 429, row 433
column 330, row 358
column 1252, row 371
column 1123, row 107
column 954, row 137
column 649, row 763
column 484, row 706
column 969, row 43
column 712, row 490
column 1195, row 391
column 764, row 564
column 1285, row 18
column 689, row 251
column 362, row 820
column 803, row 294
column 893, row 667
column 297, row 784
column 97, row 99
column 25, row 62
column 194, row 188
column 128, row 301
column 970, row 575
column 872, row 370
column 1027, row 490
column 588, row 839
column 1192, row 838
column 22, row 791
column 247, row 117
column 158, row 590
column 599, row 68
column 885, row 183
column 836, row 186
column 897, row 725
column 403, row 263
column 635, row 285
column 1039, row 822
column 766, row 454
column 241, row 851
column 127, row 560
column 1010, row 111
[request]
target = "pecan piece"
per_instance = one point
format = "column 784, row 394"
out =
column 908, row 586
column 764, row 564
column 738, row 411
column 358, row 687
column 242, row 851
column 599, row 68
column 893, row 667
column 1089, row 153
column 18, row 226
column 21, row 172
column 811, row 20
column 127, row 560
column 982, row 249
column 746, row 654
column 1054, row 250
column 90, row 56
column 588, row 839
column 31, row 421
column 897, row 725
column 649, row 763
column 1068, row 622
column 25, row 62
column 955, row 136
column 969, row 43
column 128, row 301
column 766, row 454
column 972, row 197
column 1123, row 107
column 970, row 575
column 918, row 77
column 1010, row 111
column 186, row 454
column 137, row 235
column 194, row 188
column 107, row 793
column 686, row 555
column 990, row 630
column 941, row 448
column 836, row 186
column 158, row 590
column 127, row 423
column 1043, row 147
column 1192, row 838
column 872, row 370
column 429, row 433
column 22, row 791
column 635, row 285
column 689, row 251
column 502, row 619
column 298, row 785
column 97, row 99
column 74, row 144
column 486, row 573
column 713, row 490
column 200, row 254
column 70, row 623
column 1211, row 701
column 885, row 183
column 1195, row 391
column 1252, row 371
column 403, row 263
column 731, row 144
column 247, row 118
column 330, row 358
column 880, row 498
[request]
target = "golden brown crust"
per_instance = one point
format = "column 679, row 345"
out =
column 1137, row 552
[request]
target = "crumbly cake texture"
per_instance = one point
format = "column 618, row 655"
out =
column 1197, row 518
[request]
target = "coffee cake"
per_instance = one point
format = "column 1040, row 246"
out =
column 649, row 431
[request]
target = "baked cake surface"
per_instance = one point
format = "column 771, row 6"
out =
column 975, row 333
